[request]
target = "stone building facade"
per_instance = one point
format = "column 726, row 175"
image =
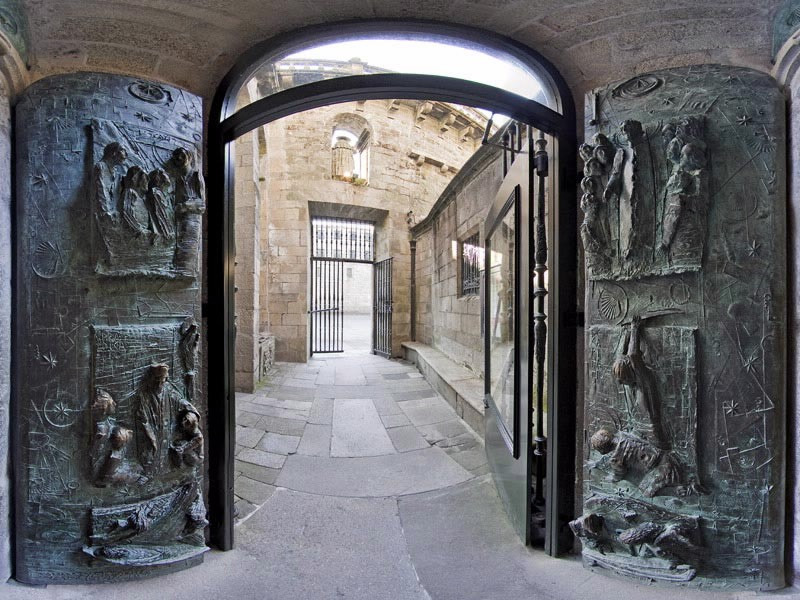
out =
column 284, row 177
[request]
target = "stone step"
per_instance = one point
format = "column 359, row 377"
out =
column 458, row 385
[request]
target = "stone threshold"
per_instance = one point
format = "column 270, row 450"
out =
column 458, row 385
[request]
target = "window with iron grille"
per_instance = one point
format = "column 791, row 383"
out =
column 345, row 239
column 471, row 256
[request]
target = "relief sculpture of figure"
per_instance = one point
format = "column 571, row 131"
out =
column 189, row 206
column 190, row 340
column 158, row 407
column 159, row 206
column 639, row 383
column 134, row 212
column 109, row 443
column 685, row 197
column 104, row 180
column 623, row 181
column 187, row 448
column 631, row 457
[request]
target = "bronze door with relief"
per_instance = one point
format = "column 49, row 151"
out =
column 109, row 445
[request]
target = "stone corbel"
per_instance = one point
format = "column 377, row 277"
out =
column 447, row 122
column 423, row 110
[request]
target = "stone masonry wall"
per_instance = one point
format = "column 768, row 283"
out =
column 412, row 160
column 248, row 261
column 447, row 320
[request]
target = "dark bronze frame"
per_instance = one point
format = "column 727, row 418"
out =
column 226, row 125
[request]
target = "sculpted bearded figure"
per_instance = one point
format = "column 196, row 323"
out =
column 159, row 408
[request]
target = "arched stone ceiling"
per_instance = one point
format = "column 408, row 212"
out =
column 192, row 43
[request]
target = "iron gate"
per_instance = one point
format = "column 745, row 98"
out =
column 327, row 316
column 382, row 313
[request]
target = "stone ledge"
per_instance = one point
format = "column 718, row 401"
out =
column 458, row 385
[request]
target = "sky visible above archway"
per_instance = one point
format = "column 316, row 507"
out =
column 432, row 58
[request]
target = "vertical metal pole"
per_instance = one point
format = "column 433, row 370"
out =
column 540, row 160
column 413, row 245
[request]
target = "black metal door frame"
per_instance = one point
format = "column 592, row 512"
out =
column 382, row 308
column 226, row 124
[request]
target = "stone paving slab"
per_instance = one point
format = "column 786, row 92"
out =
column 352, row 391
column 386, row 406
column 248, row 436
column 316, row 441
column 247, row 419
column 284, row 426
column 321, row 411
column 358, row 430
column 259, row 457
column 427, row 411
column 407, row 438
column 304, row 552
column 278, row 443
column 405, row 395
column 257, row 472
column 374, row 476
column 253, row 490
column 397, row 420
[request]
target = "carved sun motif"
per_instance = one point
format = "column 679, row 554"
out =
column 59, row 413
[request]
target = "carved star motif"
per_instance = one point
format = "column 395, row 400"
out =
column 730, row 407
column 668, row 101
column 744, row 119
column 50, row 360
column 188, row 117
column 753, row 248
column 39, row 180
column 750, row 363
column 144, row 117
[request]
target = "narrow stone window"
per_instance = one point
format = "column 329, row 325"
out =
column 470, row 265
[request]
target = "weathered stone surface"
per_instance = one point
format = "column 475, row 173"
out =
column 5, row 335
column 686, row 328
column 109, row 413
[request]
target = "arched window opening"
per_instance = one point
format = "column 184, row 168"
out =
column 410, row 53
column 350, row 143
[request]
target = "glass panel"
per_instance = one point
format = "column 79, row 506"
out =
column 501, row 261
column 401, row 53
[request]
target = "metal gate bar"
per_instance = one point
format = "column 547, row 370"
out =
column 327, row 316
column 382, row 326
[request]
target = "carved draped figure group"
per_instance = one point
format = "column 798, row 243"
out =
column 616, row 199
column 162, row 208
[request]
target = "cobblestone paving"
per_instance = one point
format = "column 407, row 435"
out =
column 346, row 407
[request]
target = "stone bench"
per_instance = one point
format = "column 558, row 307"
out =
column 458, row 385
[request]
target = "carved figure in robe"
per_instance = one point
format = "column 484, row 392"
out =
column 187, row 448
column 639, row 382
column 189, row 206
column 109, row 443
column 134, row 212
column 594, row 228
column 187, row 348
column 104, row 181
column 158, row 406
column 685, row 197
column 632, row 456
column 159, row 207
column 622, row 183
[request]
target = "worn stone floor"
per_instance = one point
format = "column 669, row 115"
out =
column 356, row 481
